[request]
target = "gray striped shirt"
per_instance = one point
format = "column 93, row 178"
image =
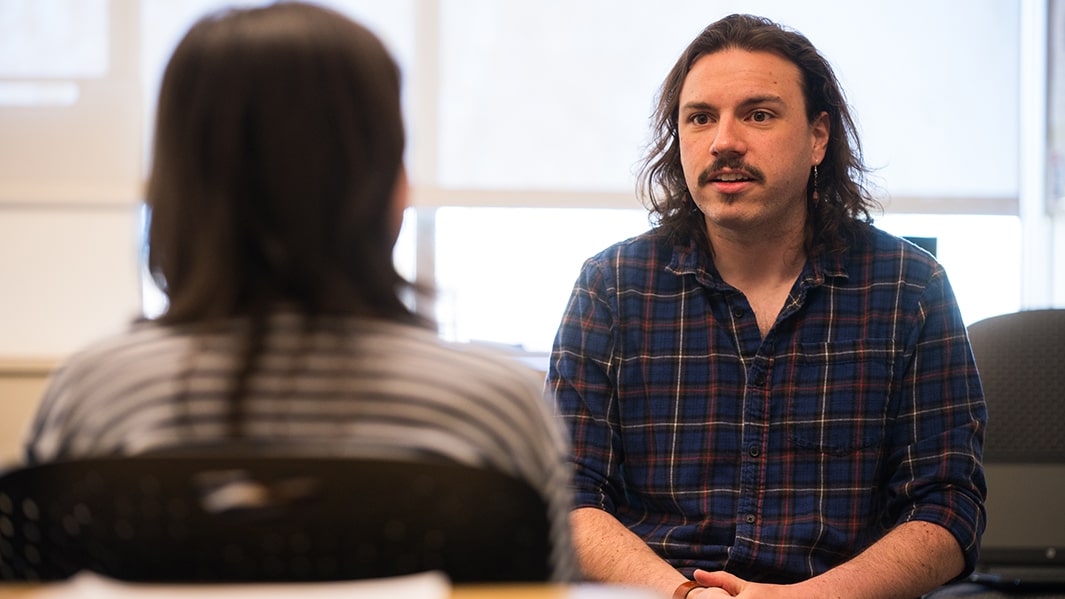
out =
column 346, row 386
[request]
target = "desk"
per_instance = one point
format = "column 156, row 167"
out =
column 466, row 591
column 494, row 591
column 507, row 591
column 513, row 591
column 547, row 591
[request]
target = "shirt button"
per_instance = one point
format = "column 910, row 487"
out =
column 749, row 519
column 759, row 379
column 738, row 313
column 754, row 451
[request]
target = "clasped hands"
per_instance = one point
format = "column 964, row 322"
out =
column 723, row 584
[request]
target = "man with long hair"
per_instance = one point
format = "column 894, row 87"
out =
column 767, row 396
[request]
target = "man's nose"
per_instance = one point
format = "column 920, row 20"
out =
column 728, row 139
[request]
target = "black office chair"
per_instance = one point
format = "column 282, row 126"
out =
column 1021, row 359
column 240, row 519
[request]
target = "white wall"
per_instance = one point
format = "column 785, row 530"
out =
column 70, row 275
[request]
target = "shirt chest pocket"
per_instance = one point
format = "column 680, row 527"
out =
column 840, row 398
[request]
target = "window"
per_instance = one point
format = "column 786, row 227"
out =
column 981, row 254
column 46, row 46
column 505, row 274
column 64, row 84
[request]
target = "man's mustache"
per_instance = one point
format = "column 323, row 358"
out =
column 734, row 163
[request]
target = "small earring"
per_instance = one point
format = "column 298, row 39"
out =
column 816, row 196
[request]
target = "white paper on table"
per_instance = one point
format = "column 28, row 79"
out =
column 427, row 585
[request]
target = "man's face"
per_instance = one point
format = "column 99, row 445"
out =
column 746, row 146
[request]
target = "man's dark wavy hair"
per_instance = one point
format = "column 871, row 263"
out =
column 845, row 201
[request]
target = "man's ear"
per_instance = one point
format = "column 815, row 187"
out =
column 820, row 128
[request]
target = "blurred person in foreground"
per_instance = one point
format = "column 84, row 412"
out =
column 276, row 193
column 767, row 396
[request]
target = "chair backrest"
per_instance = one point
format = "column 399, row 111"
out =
column 221, row 519
column 1021, row 360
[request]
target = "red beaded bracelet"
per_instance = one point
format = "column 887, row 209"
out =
column 686, row 587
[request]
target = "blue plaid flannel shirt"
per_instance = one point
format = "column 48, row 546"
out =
column 774, row 458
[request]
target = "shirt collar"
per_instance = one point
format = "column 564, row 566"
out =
column 691, row 260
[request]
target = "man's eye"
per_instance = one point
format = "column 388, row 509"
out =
column 700, row 119
column 760, row 116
